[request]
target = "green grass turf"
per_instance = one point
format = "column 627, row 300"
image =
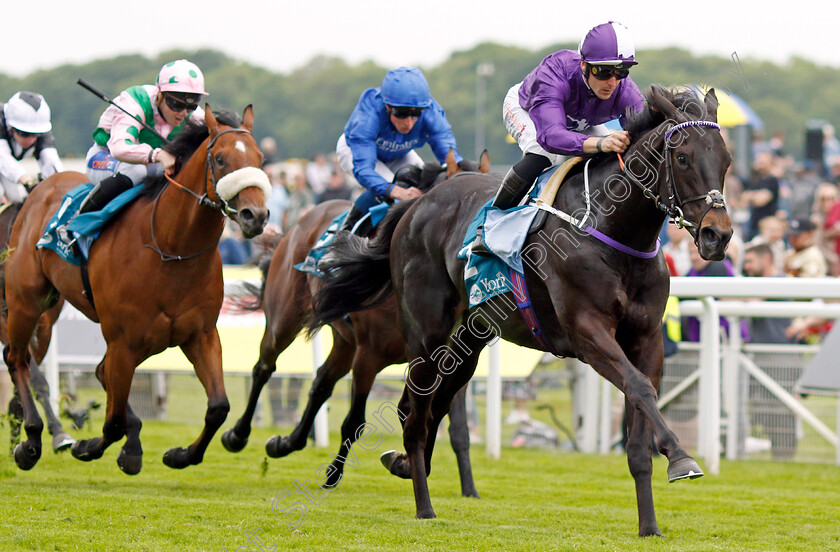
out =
column 532, row 500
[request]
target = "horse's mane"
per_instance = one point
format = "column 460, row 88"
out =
column 684, row 99
column 184, row 145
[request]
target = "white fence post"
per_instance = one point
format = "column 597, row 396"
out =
column 708, row 431
column 732, row 390
column 50, row 363
column 494, row 403
column 322, row 429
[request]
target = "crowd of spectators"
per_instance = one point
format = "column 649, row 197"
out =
column 791, row 209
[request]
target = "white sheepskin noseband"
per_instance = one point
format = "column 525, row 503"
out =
column 232, row 183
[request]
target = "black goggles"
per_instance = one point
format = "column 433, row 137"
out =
column 180, row 104
column 405, row 112
column 23, row 134
column 606, row 72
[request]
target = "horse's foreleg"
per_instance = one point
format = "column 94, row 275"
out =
column 639, row 452
column 366, row 364
column 205, row 353
column 335, row 367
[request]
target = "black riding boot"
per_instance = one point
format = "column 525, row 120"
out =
column 510, row 193
column 515, row 185
column 105, row 191
column 351, row 219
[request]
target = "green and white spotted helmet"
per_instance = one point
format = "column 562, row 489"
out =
column 181, row 76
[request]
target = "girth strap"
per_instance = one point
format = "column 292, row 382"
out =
column 523, row 301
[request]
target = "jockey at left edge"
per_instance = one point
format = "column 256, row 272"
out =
column 25, row 131
column 124, row 151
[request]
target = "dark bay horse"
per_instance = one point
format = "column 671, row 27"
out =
column 365, row 344
column 156, row 279
column 38, row 347
column 598, row 296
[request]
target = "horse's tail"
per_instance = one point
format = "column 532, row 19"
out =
column 357, row 272
column 251, row 298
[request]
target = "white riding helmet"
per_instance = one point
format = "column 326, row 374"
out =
column 28, row 112
column 181, row 76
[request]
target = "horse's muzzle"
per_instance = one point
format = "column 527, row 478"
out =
column 712, row 241
column 252, row 221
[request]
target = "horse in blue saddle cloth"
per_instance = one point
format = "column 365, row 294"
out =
column 596, row 282
column 364, row 342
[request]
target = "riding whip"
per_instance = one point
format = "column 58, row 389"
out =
column 98, row 93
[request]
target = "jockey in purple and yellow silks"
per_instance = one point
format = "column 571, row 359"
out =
column 125, row 152
column 387, row 125
column 560, row 107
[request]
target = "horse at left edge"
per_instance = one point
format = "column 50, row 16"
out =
column 155, row 281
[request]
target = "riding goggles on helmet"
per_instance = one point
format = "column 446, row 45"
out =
column 405, row 112
column 23, row 134
column 606, row 72
column 180, row 103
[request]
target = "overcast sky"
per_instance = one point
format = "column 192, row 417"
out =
column 283, row 35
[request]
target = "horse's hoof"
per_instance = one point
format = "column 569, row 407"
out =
column 426, row 514
column 278, row 447
column 233, row 442
column 176, row 458
column 334, row 479
column 26, row 456
column 685, row 468
column 472, row 493
column 80, row 451
column 396, row 463
column 62, row 442
column 130, row 464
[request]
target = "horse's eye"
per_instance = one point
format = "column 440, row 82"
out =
column 220, row 160
column 682, row 160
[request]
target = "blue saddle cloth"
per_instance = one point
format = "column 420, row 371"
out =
column 85, row 228
column 310, row 263
column 486, row 276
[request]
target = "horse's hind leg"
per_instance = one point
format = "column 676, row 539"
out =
column 459, row 437
column 205, row 353
column 336, row 366
column 115, row 373
column 61, row 440
column 16, row 355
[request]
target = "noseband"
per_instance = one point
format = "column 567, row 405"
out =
column 714, row 198
column 210, row 174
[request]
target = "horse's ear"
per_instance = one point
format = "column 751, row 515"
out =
column 452, row 167
column 248, row 118
column 712, row 104
column 484, row 162
column 660, row 103
column 210, row 120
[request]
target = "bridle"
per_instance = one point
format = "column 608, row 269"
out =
column 674, row 206
column 203, row 199
column 210, row 174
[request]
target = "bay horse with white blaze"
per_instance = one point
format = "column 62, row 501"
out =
column 364, row 343
column 596, row 279
column 156, row 278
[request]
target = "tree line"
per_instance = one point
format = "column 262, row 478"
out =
column 306, row 109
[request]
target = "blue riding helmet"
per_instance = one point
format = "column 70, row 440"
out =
column 608, row 44
column 406, row 87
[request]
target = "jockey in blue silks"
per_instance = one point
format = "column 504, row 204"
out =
column 387, row 125
column 560, row 107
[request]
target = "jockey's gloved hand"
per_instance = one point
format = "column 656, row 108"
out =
column 28, row 183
